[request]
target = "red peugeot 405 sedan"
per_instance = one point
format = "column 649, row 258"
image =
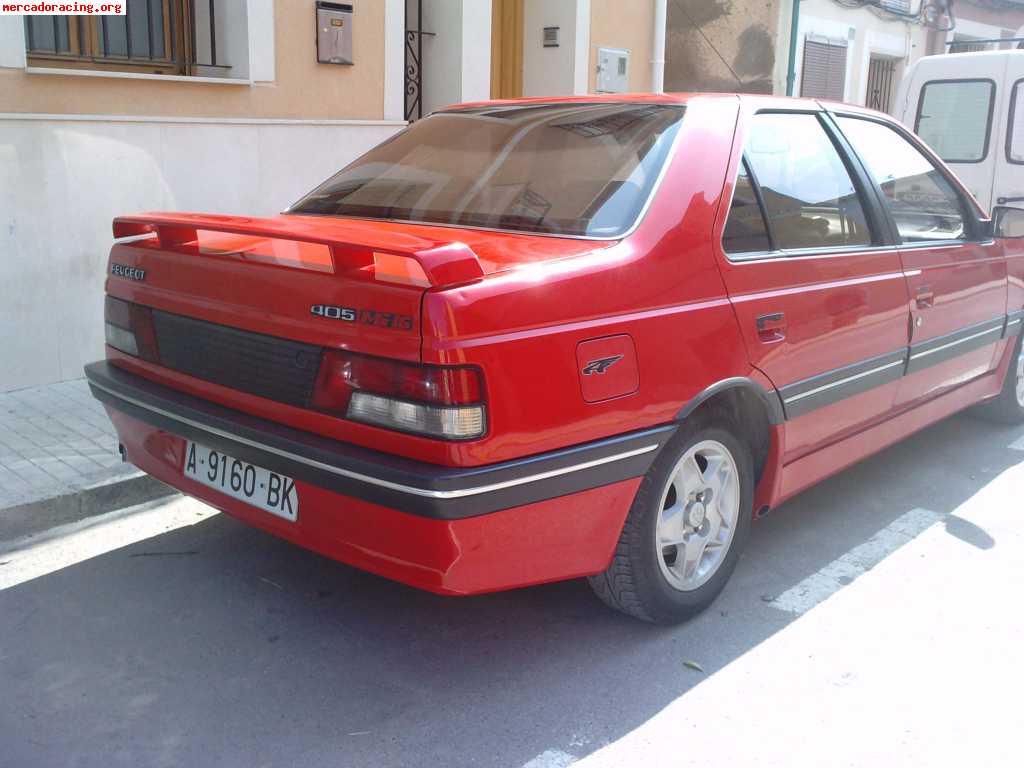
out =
column 535, row 340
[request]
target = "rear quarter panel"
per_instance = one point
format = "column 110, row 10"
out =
column 660, row 286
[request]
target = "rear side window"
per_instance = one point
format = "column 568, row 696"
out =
column 1015, row 130
column 809, row 198
column 954, row 117
column 923, row 204
column 745, row 229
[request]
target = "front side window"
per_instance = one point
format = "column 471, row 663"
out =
column 954, row 117
column 809, row 197
column 1015, row 129
column 923, row 204
column 559, row 169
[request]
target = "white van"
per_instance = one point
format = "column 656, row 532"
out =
column 969, row 107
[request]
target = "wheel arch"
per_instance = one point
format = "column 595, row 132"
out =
column 750, row 405
column 738, row 384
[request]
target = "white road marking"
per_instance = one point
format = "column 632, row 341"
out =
column 35, row 556
column 867, row 677
column 844, row 569
column 551, row 758
column 1018, row 445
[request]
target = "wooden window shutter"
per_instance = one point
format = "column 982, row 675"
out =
column 824, row 71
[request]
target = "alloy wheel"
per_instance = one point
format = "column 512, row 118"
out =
column 699, row 511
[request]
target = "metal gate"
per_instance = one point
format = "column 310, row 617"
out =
column 414, row 34
column 881, row 80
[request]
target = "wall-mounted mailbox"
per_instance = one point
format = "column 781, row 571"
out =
column 333, row 33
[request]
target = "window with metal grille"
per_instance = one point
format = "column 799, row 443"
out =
column 898, row 6
column 963, row 44
column 824, row 69
column 173, row 37
column 881, row 83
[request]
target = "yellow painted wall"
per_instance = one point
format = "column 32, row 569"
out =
column 630, row 25
column 303, row 88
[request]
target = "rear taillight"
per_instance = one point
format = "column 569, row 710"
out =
column 445, row 402
column 129, row 328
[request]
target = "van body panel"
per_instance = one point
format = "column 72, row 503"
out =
column 993, row 176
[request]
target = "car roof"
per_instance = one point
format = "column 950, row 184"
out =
column 759, row 101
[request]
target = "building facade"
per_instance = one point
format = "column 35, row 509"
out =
column 857, row 50
column 982, row 25
column 721, row 46
column 240, row 107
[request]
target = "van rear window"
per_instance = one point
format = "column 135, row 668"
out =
column 954, row 117
column 561, row 169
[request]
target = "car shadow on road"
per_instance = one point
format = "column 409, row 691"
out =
column 217, row 644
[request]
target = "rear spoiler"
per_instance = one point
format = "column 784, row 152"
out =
column 444, row 262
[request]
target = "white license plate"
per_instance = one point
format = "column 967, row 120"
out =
column 239, row 479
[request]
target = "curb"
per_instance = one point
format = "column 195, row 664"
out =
column 34, row 517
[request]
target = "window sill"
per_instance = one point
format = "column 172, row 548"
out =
column 135, row 76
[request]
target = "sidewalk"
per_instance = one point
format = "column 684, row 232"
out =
column 55, row 440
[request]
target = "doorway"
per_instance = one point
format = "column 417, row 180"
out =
column 506, row 49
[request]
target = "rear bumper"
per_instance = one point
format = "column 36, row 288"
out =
column 449, row 530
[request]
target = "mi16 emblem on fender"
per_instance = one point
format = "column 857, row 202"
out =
column 600, row 365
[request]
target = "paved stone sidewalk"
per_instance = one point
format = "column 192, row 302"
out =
column 54, row 440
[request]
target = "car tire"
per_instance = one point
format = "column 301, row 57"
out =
column 674, row 508
column 1008, row 407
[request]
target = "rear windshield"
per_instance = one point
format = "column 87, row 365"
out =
column 560, row 169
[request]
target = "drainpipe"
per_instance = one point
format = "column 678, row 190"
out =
column 794, row 27
column 658, row 58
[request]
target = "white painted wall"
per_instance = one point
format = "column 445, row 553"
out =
column 457, row 57
column 12, row 41
column 549, row 71
column 65, row 179
column 394, row 59
column 442, row 54
column 260, row 14
column 233, row 36
column 476, row 51
column 581, row 62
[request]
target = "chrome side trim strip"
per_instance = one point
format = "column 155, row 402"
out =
column 839, row 383
column 955, row 343
column 410, row 489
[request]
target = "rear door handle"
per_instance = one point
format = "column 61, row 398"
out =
column 771, row 327
column 925, row 297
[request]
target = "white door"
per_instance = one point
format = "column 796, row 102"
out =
column 1009, row 177
column 959, row 109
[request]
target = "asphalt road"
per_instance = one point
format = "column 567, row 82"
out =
column 875, row 620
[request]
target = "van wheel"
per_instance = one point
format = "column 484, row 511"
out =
column 687, row 527
column 1008, row 407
